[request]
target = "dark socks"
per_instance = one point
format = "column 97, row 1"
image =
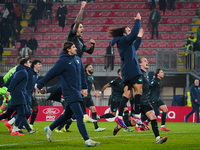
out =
column 122, row 105
column 163, row 118
column 94, row 116
column 33, row 117
column 137, row 103
column 69, row 122
column 128, row 123
column 154, row 125
column 126, row 115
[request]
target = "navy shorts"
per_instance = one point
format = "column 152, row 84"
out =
column 135, row 80
column 88, row 102
column 158, row 104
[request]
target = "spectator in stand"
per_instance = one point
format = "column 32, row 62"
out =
column 162, row 5
column 171, row 4
column 5, row 13
column 18, row 10
column 11, row 17
column 33, row 44
column 40, row 8
column 24, row 6
column 192, row 39
column 16, row 31
column 25, row 52
column 61, row 12
column 6, row 33
column 196, row 46
column 154, row 19
column 9, row 5
column 109, row 57
column 34, row 17
column 48, row 6
column 22, row 41
column 152, row 4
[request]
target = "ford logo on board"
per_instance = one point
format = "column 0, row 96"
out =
column 51, row 111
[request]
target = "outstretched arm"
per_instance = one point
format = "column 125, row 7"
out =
column 79, row 16
column 138, row 39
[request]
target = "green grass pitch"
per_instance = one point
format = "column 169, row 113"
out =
column 183, row 136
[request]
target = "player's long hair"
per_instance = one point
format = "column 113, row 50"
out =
column 157, row 72
column 114, row 32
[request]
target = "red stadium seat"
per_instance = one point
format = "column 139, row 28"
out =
column 140, row 5
column 117, row 20
column 105, row 13
column 87, row 7
column 86, row 36
column 55, row 22
column 148, row 36
column 9, row 61
column 145, row 13
column 105, row 28
column 97, row 29
column 168, row 28
column 83, row 60
column 90, row 14
column 174, row 36
column 146, row 6
column 185, row 28
column 86, row 21
column 179, row 5
column 170, row 44
column 116, row 6
column 105, row 44
column 50, row 45
column 150, row 52
column 109, row 21
column 102, row 21
column 162, row 44
column 132, row 6
column 172, row 20
column 51, row 29
column 121, row 14
column 116, row 61
column 187, row 5
column 154, row 44
column 142, row 52
column 161, row 28
column 47, row 37
column 175, row 13
column 38, row 37
column 47, row 22
column 168, row 13
column 89, row 29
column 62, row 37
column 42, row 45
column 89, row 60
column 195, row 5
column 94, row 21
column 145, row 28
column 101, row 52
column 132, row 21
column 93, row 7
column 97, row 14
column 125, row 21
column 98, row 44
column 43, row 29
column 56, row 59
column 179, row 44
column 55, row 7
column 128, row 14
column 102, row 36
column 59, row 30
column 188, row 20
column 45, row 52
column 109, row 6
column 28, row 30
column 94, row 52
column 113, row 14
column 146, row 44
column 182, row 36
column 14, row 52
column 165, row 36
column 191, row 13
column 124, row 5
column 177, row 29
column 77, row 6
column 153, row 60
column 40, row 22
column 181, row 20
column 66, row 29
column 58, row 45
column 38, row 52
column 102, row 6
column 54, row 37
column 98, row 60
column 53, row 52
column 183, row 13
column 49, row 60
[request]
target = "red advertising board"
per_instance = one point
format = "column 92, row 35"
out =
column 175, row 114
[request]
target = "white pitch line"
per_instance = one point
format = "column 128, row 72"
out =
column 15, row 144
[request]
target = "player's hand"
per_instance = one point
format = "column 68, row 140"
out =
column 92, row 41
column 196, row 100
column 38, row 90
column 83, row 3
column 84, row 92
column 141, row 33
column 7, row 94
column 137, row 16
